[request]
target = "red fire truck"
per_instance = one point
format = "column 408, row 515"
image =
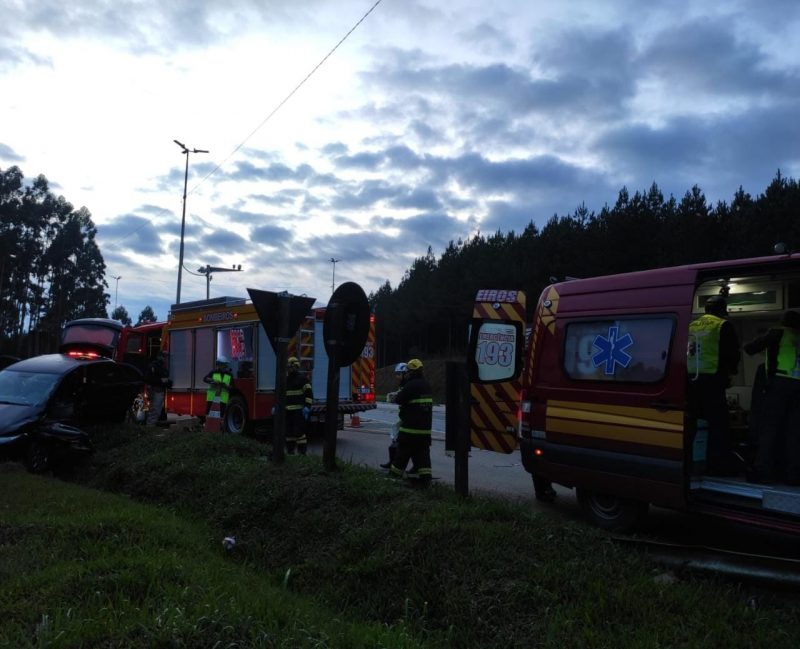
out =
column 598, row 397
column 228, row 328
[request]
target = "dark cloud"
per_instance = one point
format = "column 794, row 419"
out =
column 272, row 236
column 420, row 198
column 704, row 56
column 155, row 210
column 224, row 241
column 365, row 160
column 717, row 154
column 366, row 194
column 8, row 154
column 131, row 232
column 334, row 149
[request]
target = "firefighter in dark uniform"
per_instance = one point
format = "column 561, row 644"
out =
column 158, row 380
column 299, row 398
column 219, row 380
column 779, row 422
column 713, row 358
column 416, row 421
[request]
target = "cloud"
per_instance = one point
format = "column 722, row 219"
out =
column 131, row 232
column 7, row 153
column 220, row 242
column 706, row 58
column 271, row 236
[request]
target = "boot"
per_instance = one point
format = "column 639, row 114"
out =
column 392, row 452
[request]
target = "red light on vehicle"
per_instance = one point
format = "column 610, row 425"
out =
column 80, row 354
column 538, row 452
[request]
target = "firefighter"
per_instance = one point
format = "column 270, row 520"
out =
column 299, row 398
column 713, row 358
column 158, row 381
column 219, row 380
column 416, row 420
column 779, row 418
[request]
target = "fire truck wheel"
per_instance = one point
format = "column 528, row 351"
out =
column 236, row 420
column 612, row 513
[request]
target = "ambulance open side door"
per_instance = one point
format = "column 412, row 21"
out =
column 495, row 360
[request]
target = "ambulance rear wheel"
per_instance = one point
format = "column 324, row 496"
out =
column 612, row 513
column 236, row 419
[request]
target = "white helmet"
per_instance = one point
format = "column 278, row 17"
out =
column 400, row 368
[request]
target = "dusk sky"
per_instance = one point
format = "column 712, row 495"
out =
column 431, row 122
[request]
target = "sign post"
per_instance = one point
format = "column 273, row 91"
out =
column 280, row 315
column 345, row 330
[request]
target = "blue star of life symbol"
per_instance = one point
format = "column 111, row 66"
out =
column 612, row 350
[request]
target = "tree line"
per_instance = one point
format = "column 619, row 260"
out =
column 428, row 313
column 51, row 268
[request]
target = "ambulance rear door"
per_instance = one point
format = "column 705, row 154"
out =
column 494, row 362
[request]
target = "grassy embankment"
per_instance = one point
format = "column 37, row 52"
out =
column 348, row 559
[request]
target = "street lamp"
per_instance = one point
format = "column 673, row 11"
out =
column 116, row 289
column 186, row 152
column 207, row 270
column 333, row 274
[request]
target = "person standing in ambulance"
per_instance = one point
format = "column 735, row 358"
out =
column 713, row 358
column 779, row 423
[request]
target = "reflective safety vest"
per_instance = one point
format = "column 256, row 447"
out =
column 703, row 352
column 788, row 354
column 220, row 384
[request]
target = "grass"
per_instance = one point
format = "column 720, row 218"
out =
column 344, row 559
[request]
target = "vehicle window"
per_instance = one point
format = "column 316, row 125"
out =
column 95, row 334
column 26, row 388
column 135, row 344
column 496, row 351
column 625, row 349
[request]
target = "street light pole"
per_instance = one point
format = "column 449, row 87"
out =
column 207, row 270
column 333, row 274
column 116, row 289
column 186, row 152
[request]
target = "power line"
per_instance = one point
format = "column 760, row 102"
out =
column 288, row 97
column 265, row 120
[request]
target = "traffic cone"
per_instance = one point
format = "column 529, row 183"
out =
column 355, row 420
column 213, row 422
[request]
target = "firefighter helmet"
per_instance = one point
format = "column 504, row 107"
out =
column 293, row 362
column 414, row 364
column 400, row 368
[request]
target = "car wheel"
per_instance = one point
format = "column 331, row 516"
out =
column 612, row 513
column 236, row 419
column 37, row 457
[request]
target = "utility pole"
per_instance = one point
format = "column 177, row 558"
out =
column 333, row 275
column 186, row 152
column 207, row 270
column 116, row 289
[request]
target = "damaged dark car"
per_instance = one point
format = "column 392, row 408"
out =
column 46, row 401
